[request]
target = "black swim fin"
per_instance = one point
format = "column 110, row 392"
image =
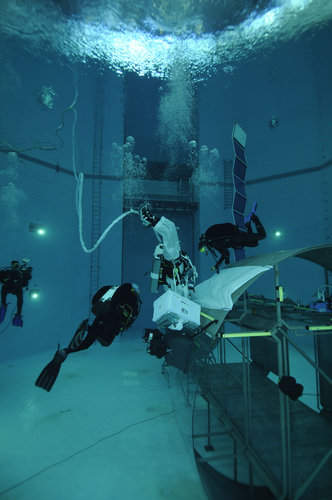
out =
column 50, row 373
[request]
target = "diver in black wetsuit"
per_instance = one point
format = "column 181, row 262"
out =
column 221, row 237
column 116, row 308
column 13, row 280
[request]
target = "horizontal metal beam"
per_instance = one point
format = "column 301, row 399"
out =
column 269, row 178
column 246, row 334
column 319, row 328
column 207, row 434
column 220, row 456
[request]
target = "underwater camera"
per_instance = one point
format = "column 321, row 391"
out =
column 156, row 343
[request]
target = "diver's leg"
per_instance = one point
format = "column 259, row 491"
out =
column 17, row 320
column 104, row 331
column 226, row 256
column 3, row 295
column 19, row 295
column 83, row 338
column 3, row 307
column 219, row 262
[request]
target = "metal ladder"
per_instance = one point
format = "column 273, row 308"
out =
column 96, row 196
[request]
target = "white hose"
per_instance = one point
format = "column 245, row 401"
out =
column 79, row 195
column 72, row 108
column 79, row 189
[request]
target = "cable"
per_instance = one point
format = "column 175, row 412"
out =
column 79, row 195
column 69, row 457
column 62, row 123
column 79, row 177
column 248, row 359
column 79, row 184
column 43, row 145
column 73, row 142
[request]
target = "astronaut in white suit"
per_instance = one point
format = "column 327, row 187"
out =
column 177, row 271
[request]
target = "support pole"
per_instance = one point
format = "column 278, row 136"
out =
column 283, row 402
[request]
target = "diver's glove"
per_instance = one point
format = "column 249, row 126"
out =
column 146, row 216
column 50, row 373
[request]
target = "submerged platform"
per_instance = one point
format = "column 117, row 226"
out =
column 258, row 312
column 260, row 435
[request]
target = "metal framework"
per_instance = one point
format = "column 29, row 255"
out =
column 300, row 439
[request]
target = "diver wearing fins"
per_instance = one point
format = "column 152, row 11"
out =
column 14, row 279
column 221, row 237
column 116, row 308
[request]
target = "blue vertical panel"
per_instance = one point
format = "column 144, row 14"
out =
column 239, row 138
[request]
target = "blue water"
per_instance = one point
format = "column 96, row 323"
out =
column 76, row 81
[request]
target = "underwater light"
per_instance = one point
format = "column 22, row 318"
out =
column 37, row 228
column 34, row 293
column 277, row 234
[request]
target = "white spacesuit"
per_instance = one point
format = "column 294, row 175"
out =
column 171, row 266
